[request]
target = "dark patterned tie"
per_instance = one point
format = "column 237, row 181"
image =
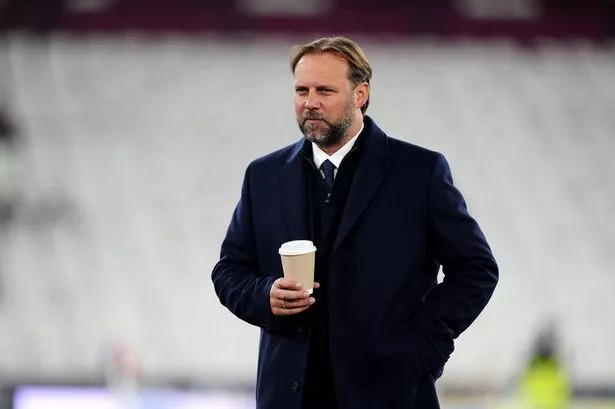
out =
column 328, row 169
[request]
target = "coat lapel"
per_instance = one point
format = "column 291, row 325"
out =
column 293, row 180
column 371, row 170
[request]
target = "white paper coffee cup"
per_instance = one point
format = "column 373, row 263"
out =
column 298, row 262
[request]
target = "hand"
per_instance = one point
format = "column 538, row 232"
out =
column 288, row 298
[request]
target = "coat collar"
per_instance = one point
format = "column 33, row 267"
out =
column 372, row 168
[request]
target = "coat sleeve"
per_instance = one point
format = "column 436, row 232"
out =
column 470, row 271
column 238, row 281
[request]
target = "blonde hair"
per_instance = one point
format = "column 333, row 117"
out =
column 359, row 70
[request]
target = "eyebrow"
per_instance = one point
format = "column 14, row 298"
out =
column 319, row 87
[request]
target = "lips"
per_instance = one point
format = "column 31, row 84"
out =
column 312, row 119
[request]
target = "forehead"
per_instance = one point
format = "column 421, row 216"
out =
column 325, row 67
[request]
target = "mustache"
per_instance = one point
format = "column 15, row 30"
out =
column 313, row 115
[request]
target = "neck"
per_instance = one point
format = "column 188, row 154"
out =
column 351, row 133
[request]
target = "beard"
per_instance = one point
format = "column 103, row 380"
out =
column 333, row 132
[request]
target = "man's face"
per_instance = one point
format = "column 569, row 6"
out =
column 324, row 98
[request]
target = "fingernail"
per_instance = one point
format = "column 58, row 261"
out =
column 312, row 300
column 306, row 294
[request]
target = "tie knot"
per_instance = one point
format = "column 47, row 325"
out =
column 327, row 166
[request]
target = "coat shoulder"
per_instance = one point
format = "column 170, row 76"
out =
column 406, row 152
column 275, row 159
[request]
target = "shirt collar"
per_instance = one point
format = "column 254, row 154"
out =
column 320, row 156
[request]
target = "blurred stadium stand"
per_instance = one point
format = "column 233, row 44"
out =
column 137, row 124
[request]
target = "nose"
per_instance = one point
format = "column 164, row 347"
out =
column 312, row 102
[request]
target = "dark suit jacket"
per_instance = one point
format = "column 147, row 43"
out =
column 391, row 325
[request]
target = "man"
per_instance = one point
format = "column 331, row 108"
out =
column 544, row 383
column 8, row 142
column 384, row 215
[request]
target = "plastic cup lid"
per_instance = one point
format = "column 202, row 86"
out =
column 297, row 247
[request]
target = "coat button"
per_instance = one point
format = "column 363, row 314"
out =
column 295, row 387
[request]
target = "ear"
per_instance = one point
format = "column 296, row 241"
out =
column 361, row 94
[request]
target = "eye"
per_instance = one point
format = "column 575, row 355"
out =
column 301, row 91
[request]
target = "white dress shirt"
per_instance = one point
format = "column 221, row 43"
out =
column 320, row 156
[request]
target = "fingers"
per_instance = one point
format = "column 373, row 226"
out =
column 293, row 307
column 290, row 284
column 294, row 304
column 287, row 298
column 290, row 295
column 285, row 283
